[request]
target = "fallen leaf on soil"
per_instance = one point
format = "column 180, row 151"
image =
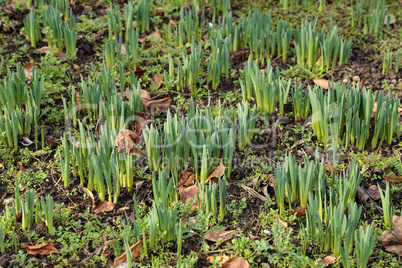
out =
column 104, row 206
column 161, row 104
column 171, row 22
column 28, row 67
column 126, row 141
column 22, row 169
column 43, row 50
column 330, row 168
column 284, row 224
column 159, row 10
column 318, row 61
column 99, row 33
column 218, row 173
column 123, row 49
column 26, row 142
column 292, row 43
column 300, row 211
column 239, row 54
column 138, row 73
column 378, row 171
column 321, row 83
column 236, row 262
column 375, row 109
column 158, row 78
column 39, row 153
column 373, row 192
column 392, row 239
column 140, row 125
column 145, row 96
column 188, row 193
column 254, row 237
column 185, row 179
column 60, row 54
column 155, row 36
column 254, row 193
column 393, row 178
column 219, row 259
column 215, row 235
column 90, row 194
column 392, row 19
column 271, row 179
column 204, row 37
column 327, row 261
column 135, row 253
column 41, row 249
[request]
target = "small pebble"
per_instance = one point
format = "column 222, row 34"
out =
column 393, row 81
column 266, row 232
column 345, row 81
column 8, row 201
column 356, row 78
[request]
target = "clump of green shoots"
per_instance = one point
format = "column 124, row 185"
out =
column 47, row 208
column 32, row 29
column 387, row 207
column 113, row 15
column 143, row 16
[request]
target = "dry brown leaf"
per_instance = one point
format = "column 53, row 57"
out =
column 321, row 83
column 90, row 194
column 41, row 249
column 327, row 261
column 155, row 36
column 161, row 104
column 140, row 125
column 123, row 49
column 188, row 193
column 78, row 99
column 159, row 10
column 145, row 96
column 392, row 239
column 375, row 109
column 391, row 21
column 171, row 22
column 239, row 54
column 219, row 259
column 254, row 237
column 254, row 193
column 138, row 73
column 99, row 33
column 284, row 224
column 126, row 141
column 330, row 168
column 43, row 50
column 135, row 253
column 158, row 78
column 373, row 192
column 300, row 211
column 292, row 43
column 236, row 262
column 22, row 168
column 60, row 54
column 218, row 173
column 105, row 206
column 185, row 179
column 393, row 178
column 318, row 61
column 215, row 235
column 204, row 37
column 28, row 68
column 271, row 179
